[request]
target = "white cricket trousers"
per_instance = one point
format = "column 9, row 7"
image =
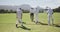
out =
column 19, row 18
column 50, row 18
column 36, row 17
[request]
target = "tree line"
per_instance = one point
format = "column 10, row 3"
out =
column 11, row 11
column 57, row 9
column 7, row 11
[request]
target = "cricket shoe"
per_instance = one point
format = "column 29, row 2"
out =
column 16, row 25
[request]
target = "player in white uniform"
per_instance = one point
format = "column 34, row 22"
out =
column 32, row 14
column 19, row 17
column 36, row 14
column 50, row 15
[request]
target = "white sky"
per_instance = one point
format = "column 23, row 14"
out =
column 34, row 3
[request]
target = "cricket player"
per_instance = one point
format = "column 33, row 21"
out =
column 19, row 17
column 32, row 14
column 50, row 15
column 36, row 15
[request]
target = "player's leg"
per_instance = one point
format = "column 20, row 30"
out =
column 17, row 20
column 36, row 18
column 52, row 19
column 32, row 16
column 17, row 23
column 48, row 19
column 20, row 20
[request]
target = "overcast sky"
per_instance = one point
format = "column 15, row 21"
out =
column 33, row 3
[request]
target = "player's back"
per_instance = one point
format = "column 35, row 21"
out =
column 32, row 10
column 50, row 11
column 19, row 10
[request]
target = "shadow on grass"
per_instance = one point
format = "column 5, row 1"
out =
column 23, row 22
column 42, row 23
column 57, row 25
column 25, row 28
column 47, row 24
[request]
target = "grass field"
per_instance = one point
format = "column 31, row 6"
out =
column 7, row 23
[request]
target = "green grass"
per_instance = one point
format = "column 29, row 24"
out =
column 7, row 23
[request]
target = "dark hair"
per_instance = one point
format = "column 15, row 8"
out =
column 32, row 8
column 20, row 8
